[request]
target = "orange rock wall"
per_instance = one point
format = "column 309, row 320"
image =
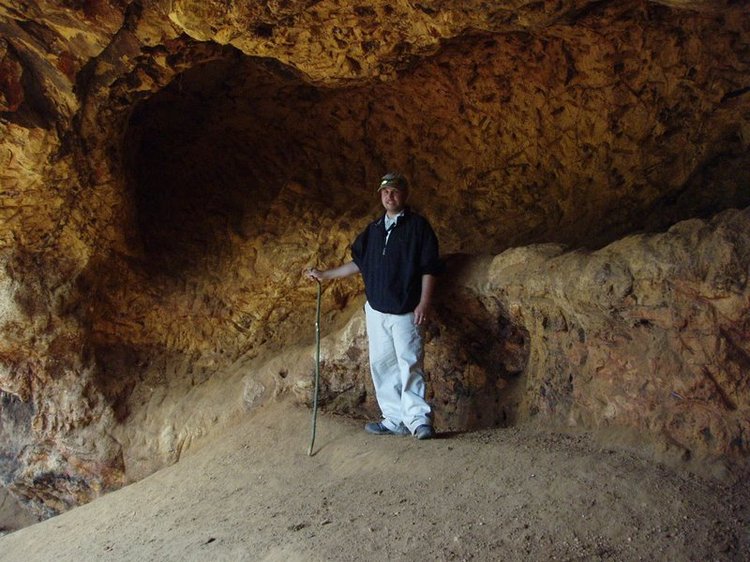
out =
column 168, row 169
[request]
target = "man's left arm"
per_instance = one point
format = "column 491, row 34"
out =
column 422, row 312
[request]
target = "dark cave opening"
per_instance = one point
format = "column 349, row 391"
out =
column 199, row 172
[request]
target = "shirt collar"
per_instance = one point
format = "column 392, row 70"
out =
column 389, row 221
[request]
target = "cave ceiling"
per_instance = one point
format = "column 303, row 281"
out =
column 573, row 122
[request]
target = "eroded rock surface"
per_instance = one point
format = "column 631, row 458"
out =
column 647, row 335
column 168, row 168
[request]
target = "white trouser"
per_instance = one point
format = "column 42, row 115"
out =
column 396, row 354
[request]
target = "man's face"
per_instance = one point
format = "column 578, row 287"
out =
column 393, row 200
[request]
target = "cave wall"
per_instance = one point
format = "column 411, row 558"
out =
column 168, row 169
column 644, row 340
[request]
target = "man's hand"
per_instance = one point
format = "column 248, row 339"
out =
column 349, row 268
column 313, row 273
column 424, row 308
column 422, row 313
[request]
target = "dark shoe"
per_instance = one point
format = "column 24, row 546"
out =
column 377, row 428
column 424, row 431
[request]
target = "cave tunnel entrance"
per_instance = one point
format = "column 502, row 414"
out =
column 210, row 153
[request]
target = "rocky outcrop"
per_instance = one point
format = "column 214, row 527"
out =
column 645, row 336
column 168, row 168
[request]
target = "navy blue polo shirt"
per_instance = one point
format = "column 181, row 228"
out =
column 393, row 271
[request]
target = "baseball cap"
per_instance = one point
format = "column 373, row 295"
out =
column 393, row 180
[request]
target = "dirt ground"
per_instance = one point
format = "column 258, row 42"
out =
column 252, row 493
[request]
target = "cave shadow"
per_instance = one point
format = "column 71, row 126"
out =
column 191, row 184
column 480, row 353
column 209, row 155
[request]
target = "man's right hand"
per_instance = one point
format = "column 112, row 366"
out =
column 313, row 273
column 349, row 268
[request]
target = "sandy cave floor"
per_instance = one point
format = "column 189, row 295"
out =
column 252, row 493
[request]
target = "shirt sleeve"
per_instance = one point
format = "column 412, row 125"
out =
column 429, row 260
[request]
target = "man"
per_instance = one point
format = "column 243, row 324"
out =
column 398, row 257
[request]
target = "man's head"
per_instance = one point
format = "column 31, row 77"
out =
column 394, row 180
column 394, row 190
